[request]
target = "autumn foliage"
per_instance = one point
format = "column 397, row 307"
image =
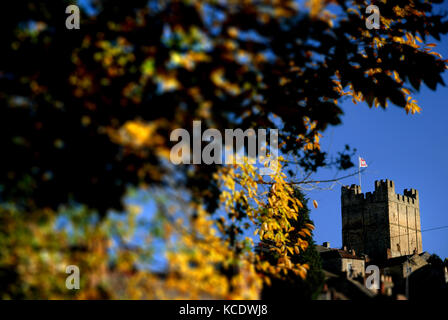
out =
column 86, row 117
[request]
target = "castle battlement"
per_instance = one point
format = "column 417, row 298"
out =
column 384, row 190
column 384, row 185
column 381, row 223
column 406, row 199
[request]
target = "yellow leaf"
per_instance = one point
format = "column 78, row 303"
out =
column 309, row 226
column 268, row 281
column 306, row 231
column 436, row 54
column 396, row 76
column 315, row 204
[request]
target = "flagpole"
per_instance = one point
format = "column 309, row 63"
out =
column 359, row 171
column 361, row 163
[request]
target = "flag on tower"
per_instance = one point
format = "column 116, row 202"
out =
column 362, row 163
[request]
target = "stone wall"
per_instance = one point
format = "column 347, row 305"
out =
column 405, row 229
column 358, row 267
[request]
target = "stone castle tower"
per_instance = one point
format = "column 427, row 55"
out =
column 381, row 224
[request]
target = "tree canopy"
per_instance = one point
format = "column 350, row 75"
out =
column 134, row 71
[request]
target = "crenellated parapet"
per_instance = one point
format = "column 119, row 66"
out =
column 384, row 191
column 384, row 185
column 411, row 193
column 351, row 194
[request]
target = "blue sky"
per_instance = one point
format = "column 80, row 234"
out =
column 411, row 150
